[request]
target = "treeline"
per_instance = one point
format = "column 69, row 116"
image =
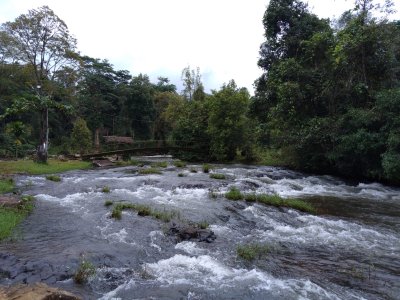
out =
column 53, row 98
column 330, row 94
column 328, row 100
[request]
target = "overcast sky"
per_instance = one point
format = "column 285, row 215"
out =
column 161, row 37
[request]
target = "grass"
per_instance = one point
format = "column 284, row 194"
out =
column 142, row 210
column 206, row 168
column 161, row 164
column 54, row 178
column 253, row 251
column 273, row 200
column 105, row 189
column 149, row 171
column 33, row 168
column 179, row 164
column 234, row 194
column 85, row 270
column 203, row 225
column 181, row 175
column 108, row 203
column 11, row 217
column 129, row 162
column 193, row 170
column 217, row 176
column 6, row 185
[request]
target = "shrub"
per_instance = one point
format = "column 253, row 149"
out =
column 253, row 251
column 105, row 189
column 161, row 164
column 206, row 168
column 54, row 178
column 179, row 164
column 203, row 225
column 108, row 203
column 217, row 176
column 81, row 137
column 181, row 175
column 85, row 270
column 234, row 194
column 193, row 170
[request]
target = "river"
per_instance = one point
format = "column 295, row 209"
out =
column 349, row 250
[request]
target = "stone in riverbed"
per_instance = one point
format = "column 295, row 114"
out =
column 186, row 233
column 38, row 291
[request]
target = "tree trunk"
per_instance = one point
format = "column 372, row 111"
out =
column 43, row 139
column 97, row 140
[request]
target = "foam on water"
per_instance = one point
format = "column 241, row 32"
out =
column 153, row 237
column 314, row 230
column 206, row 272
column 190, row 248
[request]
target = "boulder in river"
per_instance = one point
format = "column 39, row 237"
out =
column 38, row 291
column 190, row 232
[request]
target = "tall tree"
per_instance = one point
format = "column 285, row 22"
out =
column 40, row 40
column 191, row 82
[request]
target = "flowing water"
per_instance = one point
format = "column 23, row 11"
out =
column 349, row 250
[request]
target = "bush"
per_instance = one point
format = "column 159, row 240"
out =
column 85, row 270
column 206, row 168
column 105, row 189
column 234, row 194
column 108, row 203
column 54, row 178
column 217, row 176
column 253, row 251
column 81, row 137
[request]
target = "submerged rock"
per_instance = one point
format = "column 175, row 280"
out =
column 38, row 291
column 190, row 232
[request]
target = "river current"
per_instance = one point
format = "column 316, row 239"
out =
column 349, row 250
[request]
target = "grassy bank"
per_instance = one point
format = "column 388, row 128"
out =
column 11, row 217
column 272, row 200
column 6, row 185
column 33, row 168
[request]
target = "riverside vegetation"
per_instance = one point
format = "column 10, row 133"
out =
column 327, row 102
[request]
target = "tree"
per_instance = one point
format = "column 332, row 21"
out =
column 228, row 121
column 40, row 40
column 191, row 82
column 81, row 137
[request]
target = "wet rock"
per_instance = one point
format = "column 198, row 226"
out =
column 224, row 218
column 186, row 233
column 9, row 201
column 192, row 186
column 102, row 163
column 38, row 291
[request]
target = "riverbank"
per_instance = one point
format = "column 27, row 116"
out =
column 13, row 209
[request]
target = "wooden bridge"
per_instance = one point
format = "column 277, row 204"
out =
column 149, row 147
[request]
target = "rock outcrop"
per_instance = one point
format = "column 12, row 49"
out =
column 37, row 291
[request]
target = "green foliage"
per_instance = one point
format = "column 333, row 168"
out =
column 11, row 217
column 181, row 175
column 85, row 270
column 217, row 176
column 206, row 168
column 253, row 251
column 81, row 137
column 33, row 168
column 54, row 178
column 330, row 100
column 228, row 122
column 108, row 203
column 234, row 194
column 203, row 225
column 179, row 164
column 105, row 189
column 6, row 185
column 143, row 210
column 161, row 164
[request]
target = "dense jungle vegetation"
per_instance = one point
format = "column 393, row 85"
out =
column 328, row 100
